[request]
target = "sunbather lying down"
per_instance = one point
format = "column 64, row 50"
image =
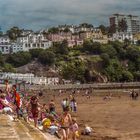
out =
column 5, row 106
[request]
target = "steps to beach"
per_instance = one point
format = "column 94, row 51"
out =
column 20, row 130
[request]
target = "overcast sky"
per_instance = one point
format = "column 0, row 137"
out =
column 38, row 14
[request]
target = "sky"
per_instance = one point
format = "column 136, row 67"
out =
column 40, row 14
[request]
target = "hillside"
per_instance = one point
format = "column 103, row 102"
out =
column 91, row 62
column 38, row 69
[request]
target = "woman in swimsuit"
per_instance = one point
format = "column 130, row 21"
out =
column 66, row 122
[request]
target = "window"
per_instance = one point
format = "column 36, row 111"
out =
column 2, row 48
column 34, row 45
column 42, row 45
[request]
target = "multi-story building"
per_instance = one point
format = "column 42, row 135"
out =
column 70, row 27
column 32, row 41
column 4, row 39
column 5, row 45
column 24, row 43
column 132, row 22
column 72, row 39
column 26, row 32
column 120, row 36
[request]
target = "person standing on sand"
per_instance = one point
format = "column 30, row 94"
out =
column 7, row 87
column 8, row 90
column 51, row 106
column 17, row 100
column 34, row 109
column 66, row 122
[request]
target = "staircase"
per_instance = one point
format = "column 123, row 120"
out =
column 20, row 130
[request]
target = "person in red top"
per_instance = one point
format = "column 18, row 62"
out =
column 16, row 98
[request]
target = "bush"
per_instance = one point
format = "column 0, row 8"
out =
column 8, row 68
column 127, row 76
column 92, row 47
column 35, row 52
column 47, row 57
column 19, row 59
column 74, row 70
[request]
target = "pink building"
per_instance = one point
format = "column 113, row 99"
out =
column 73, row 39
column 72, row 43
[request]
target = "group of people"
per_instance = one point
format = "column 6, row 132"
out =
column 134, row 95
column 22, row 105
column 71, row 103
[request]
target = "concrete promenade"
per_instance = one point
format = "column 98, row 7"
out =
column 20, row 130
column 97, row 86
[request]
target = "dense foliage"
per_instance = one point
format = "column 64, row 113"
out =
column 119, row 62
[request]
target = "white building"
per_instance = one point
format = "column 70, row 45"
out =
column 4, row 39
column 30, row 78
column 132, row 22
column 120, row 36
column 45, row 80
column 26, row 32
column 32, row 41
column 5, row 48
column 5, row 45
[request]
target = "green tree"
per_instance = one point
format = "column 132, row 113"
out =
column 127, row 42
column 108, row 49
column 86, row 25
column 47, row 57
column 104, row 29
column 74, row 70
column 19, row 59
column 138, row 42
column 92, row 47
column 60, row 48
column 35, row 52
column 136, row 75
column 105, row 59
column 121, row 51
column 114, row 71
column 133, row 53
column 53, row 30
column 14, row 32
column 66, row 30
column 126, row 76
column 1, row 59
column 8, row 68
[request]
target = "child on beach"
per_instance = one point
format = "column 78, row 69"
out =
column 51, row 106
column 74, row 129
column 5, row 105
column 87, row 130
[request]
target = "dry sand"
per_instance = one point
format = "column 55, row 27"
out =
column 115, row 119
